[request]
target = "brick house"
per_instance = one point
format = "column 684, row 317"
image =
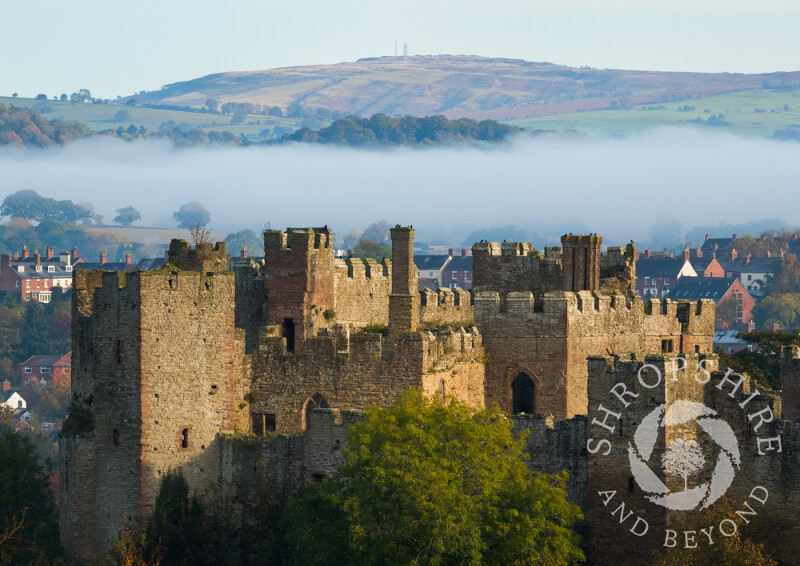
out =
column 430, row 270
column 34, row 277
column 705, row 263
column 656, row 275
column 52, row 369
column 753, row 272
column 458, row 271
column 720, row 290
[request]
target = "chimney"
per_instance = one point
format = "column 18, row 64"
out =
column 647, row 252
column 769, row 253
column 747, row 260
column 404, row 300
column 5, row 260
column 74, row 254
column 464, row 252
column 6, row 385
column 734, row 254
column 699, row 253
column 25, row 252
column 580, row 264
column 775, row 326
column 128, row 258
column 687, row 254
column 243, row 253
column 37, row 258
column 64, row 257
column 734, row 236
column 49, row 253
column 451, row 252
column 665, row 251
column 782, row 253
column 707, row 236
column 716, row 246
column 15, row 256
column 102, row 257
column 671, row 255
column 350, row 253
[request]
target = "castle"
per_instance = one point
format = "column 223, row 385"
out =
column 197, row 366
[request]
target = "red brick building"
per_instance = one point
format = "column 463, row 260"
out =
column 52, row 369
column 34, row 277
column 458, row 271
column 720, row 290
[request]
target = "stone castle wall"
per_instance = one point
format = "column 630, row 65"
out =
column 355, row 370
column 164, row 376
column 362, row 290
column 551, row 345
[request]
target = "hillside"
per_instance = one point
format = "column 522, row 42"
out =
column 458, row 86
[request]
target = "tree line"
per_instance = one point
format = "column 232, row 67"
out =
column 383, row 130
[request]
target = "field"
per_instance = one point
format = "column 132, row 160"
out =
column 100, row 117
column 758, row 112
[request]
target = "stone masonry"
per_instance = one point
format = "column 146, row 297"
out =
column 208, row 369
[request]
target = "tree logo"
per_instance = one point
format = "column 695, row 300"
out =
column 683, row 458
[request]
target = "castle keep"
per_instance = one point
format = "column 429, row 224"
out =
column 196, row 365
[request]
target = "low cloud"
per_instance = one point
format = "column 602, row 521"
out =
column 655, row 185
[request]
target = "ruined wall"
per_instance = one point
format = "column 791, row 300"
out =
column 352, row 371
column 298, row 278
column 518, row 267
column 165, row 358
column 361, row 290
column 551, row 346
column 446, row 306
column 251, row 300
column 191, row 375
column 790, row 383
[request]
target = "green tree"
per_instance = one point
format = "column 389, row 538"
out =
column 783, row 310
column 245, row 238
column 369, row 249
column 127, row 216
column 122, row 116
column 425, row 482
column 378, row 232
column 191, row 214
column 786, row 278
column 27, row 506
column 212, row 105
column 736, row 550
column 763, row 363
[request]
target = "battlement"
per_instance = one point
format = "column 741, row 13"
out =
column 203, row 258
column 298, row 239
column 515, row 249
column 578, row 265
column 358, row 268
column 522, row 306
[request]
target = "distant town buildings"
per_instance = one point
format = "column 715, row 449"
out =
column 34, row 277
column 47, row 368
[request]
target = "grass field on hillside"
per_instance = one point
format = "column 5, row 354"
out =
column 753, row 112
column 100, row 117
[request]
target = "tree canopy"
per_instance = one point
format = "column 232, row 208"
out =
column 245, row 238
column 22, row 127
column 127, row 216
column 30, row 205
column 382, row 130
column 426, row 482
column 26, row 503
column 764, row 362
column 191, row 214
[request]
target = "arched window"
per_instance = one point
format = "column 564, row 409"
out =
column 316, row 401
column 522, row 391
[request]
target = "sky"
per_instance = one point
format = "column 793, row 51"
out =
column 665, row 181
column 118, row 48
